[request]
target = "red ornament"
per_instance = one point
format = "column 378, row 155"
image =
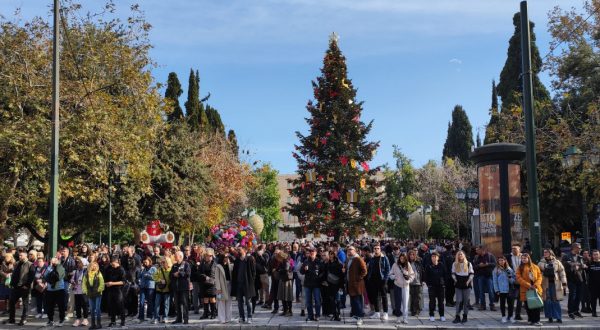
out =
column 332, row 214
column 356, row 119
column 365, row 166
column 371, row 202
column 311, row 164
column 302, row 185
column 319, row 204
column 333, row 94
column 320, row 178
column 328, row 134
column 323, row 140
column 243, row 222
column 373, row 217
column 344, row 160
column 379, row 212
column 316, row 91
column 334, row 195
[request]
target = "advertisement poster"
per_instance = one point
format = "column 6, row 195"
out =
column 514, row 202
column 490, row 218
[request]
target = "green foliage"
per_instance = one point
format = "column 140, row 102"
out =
column 510, row 84
column 263, row 196
column 460, row 136
column 335, row 151
column 194, row 109
column 440, row 229
column 215, row 125
column 172, row 95
column 232, row 139
column 492, row 128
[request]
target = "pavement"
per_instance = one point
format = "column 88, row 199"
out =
column 264, row 320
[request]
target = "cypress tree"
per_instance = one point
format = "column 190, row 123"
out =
column 232, row 139
column 460, row 136
column 173, row 93
column 214, row 122
column 510, row 84
column 478, row 143
column 491, row 134
column 192, row 105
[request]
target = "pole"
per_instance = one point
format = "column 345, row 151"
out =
column 532, row 189
column 53, row 225
column 467, row 209
column 109, row 212
column 584, row 222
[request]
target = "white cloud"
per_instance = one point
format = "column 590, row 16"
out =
column 455, row 61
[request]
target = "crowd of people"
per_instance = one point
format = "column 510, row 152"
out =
column 156, row 284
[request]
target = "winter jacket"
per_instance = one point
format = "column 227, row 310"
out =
column 384, row 267
column 503, row 279
column 60, row 284
column 435, row 275
column 77, row 280
column 162, row 274
column 402, row 277
column 315, row 274
column 22, row 275
column 93, row 284
column 146, row 277
column 181, row 282
column 560, row 276
column 527, row 276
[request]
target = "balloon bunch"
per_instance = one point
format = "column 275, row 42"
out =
column 239, row 233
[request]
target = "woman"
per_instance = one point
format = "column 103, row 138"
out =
column 93, row 286
column 462, row 275
column 415, row 300
column 285, row 291
column 554, row 279
column 207, row 278
column 114, row 281
column 81, row 305
column 39, row 287
column 6, row 270
column 104, row 265
column 335, row 281
column 147, row 287
column 55, row 291
column 504, row 279
column 223, row 288
column 529, row 277
column 162, row 293
column 403, row 274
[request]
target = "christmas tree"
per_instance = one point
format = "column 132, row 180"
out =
column 336, row 191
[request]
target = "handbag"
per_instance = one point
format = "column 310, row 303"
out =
column 534, row 301
column 290, row 275
column 332, row 278
column 162, row 286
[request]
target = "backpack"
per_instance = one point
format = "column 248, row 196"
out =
column 53, row 277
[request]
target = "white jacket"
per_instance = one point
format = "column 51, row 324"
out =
column 397, row 275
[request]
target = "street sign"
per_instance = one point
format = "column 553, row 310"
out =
column 565, row 236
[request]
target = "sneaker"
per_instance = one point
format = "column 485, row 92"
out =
column 504, row 319
column 76, row 323
column 405, row 320
column 399, row 319
column 44, row 316
column 50, row 324
column 22, row 322
column 432, row 319
column 538, row 324
column 39, row 316
column 61, row 323
column 443, row 319
column 155, row 321
column 376, row 316
column 578, row 314
column 384, row 317
column 249, row 321
column 359, row 322
column 84, row 323
column 512, row 320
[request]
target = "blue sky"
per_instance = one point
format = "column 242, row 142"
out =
column 411, row 61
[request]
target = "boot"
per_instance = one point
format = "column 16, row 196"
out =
column 122, row 321
column 213, row 310
column 93, row 326
column 98, row 324
column 206, row 313
column 464, row 319
column 456, row 319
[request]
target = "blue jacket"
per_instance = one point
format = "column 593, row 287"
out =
column 384, row 267
column 503, row 279
column 60, row 285
column 145, row 277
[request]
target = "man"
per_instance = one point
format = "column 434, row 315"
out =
column 448, row 260
column 435, row 275
column 314, row 273
column 356, row 271
column 69, row 264
column 20, row 282
column 262, row 264
column 180, row 281
column 55, row 291
column 483, row 264
column 156, row 255
column 378, row 271
column 415, row 300
column 575, row 267
column 392, row 258
column 594, row 280
column 514, row 261
column 242, row 283
column 132, row 264
column 195, row 261
column 32, row 256
column 298, row 258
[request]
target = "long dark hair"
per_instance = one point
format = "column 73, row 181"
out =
column 399, row 262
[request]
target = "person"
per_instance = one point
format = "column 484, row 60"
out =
column 402, row 274
column 272, row 272
column 20, row 282
column 554, row 282
column 462, row 276
column 242, row 287
column 207, row 279
column 585, row 294
column 55, row 291
column 262, row 265
column 223, row 278
column 483, row 264
column 180, row 283
column 594, row 281
column 529, row 277
column 147, row 289
column 81, row 305
column 298, row 257
column 162, row 294
column 92, row 287
column 39, row 287
column 285, row 292
column 115, row 279
column 415, row 300
column 514, row 261
column 447, row 259
column 69, row 264
column 314, row 274
column 196, row 261
column 334, row 282
column 378, row 270
column 504, row 279
column 132, row 264
column 435, row 274
column 575, row 267
column 392, row 253
column 356, row 271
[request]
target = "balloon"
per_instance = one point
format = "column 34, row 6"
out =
column 243, row 233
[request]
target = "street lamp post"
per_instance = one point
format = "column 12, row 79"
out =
column 116, row 172
column 469, row 194
column 575, row 158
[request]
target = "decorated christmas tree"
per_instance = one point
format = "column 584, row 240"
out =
column 336, row 192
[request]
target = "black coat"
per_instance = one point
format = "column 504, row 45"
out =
column 246, row 288
column 315, row 274
column 181, row 282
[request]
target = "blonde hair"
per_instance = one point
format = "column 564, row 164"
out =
column 460, row 267
column 93, row 267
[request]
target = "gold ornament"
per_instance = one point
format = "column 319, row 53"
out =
column 352, row 196
column 345, row 84
column 310, row 175
column 330, row 177
column 353, row 163
column 363, row 183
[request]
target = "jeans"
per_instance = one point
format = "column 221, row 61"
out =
column 551, row 305
column 436, row 293
column 506, row 299
column 161, row 298
column 486, row 284
column 378, row 292
column 40, row 303
column 298, row 284
column 401, row 296
column 477, row 288
column 81, row 306
column 95, row 304
column 415, row 299
column 244, row 300
column 574, row 296
column 309, row 295
column 196, row 296
column 462, row 300
column 357, row 306
column 146, row 295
